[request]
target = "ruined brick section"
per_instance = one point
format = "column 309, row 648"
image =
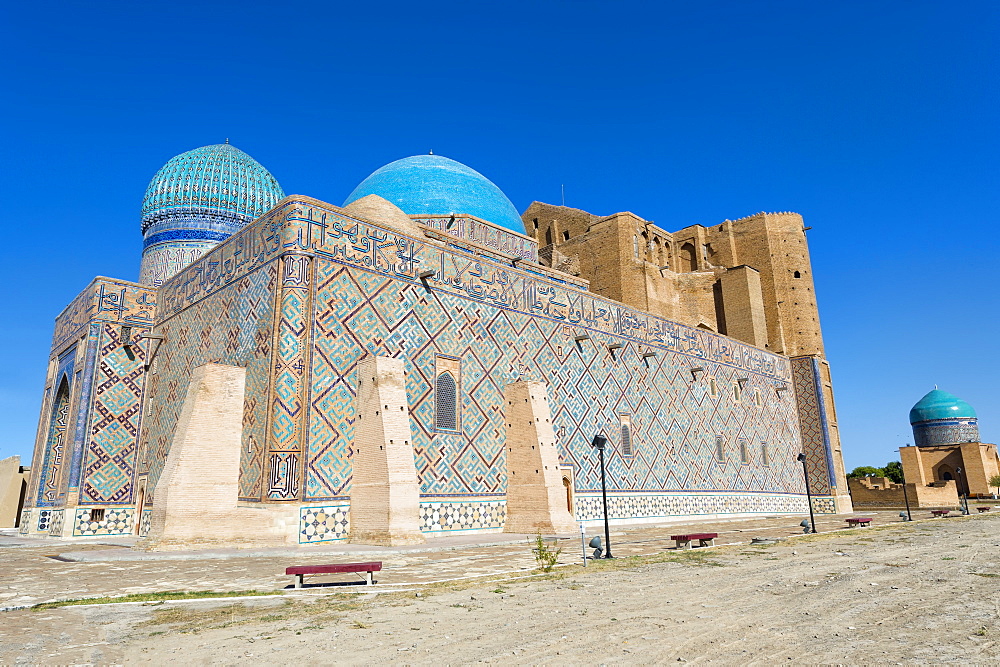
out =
column 682, row 275
column 196, row 496
column 882, row 493
column 743, row 305
column 536, row 498
column 385, row 494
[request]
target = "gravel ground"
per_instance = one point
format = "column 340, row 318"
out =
column 925, row 592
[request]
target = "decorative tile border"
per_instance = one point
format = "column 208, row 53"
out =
column 117, row 521
column 323, row 524
column 454, row 515
column 44, row 520
column 651, row 506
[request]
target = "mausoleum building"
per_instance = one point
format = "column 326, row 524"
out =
column 423, row 360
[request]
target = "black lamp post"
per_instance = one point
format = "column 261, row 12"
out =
column 598, row 443
column 801, row 458
column 906, row 497
column 965, row 496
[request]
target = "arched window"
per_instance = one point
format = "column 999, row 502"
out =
column 688, row 259
column 797, row 275
column 446, row 402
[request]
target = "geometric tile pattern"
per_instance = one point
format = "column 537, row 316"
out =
column 590, row 507
column 144, row 522
column 464, row 514
column 675, row 421
column 44, row 521
column 56, row 522
column 812, row 423
column 287, row 432
column 116, row 521
column 109, row 463
column 232, row 325
column 24, row 525
column 323, row 524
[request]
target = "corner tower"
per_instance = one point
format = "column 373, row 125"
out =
column 196, row 200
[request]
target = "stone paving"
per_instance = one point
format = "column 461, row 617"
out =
column 41, row 570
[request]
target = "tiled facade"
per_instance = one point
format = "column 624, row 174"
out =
column 300, row 296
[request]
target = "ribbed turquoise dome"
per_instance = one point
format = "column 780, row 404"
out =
column 218, row 182
column 436, row 185
column 197, row 200
column 939, row 404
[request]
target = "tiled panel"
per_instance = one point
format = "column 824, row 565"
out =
column 109, row 463
column 323, row 524
column 462, row 514
column 813, row 424
column 117, row 521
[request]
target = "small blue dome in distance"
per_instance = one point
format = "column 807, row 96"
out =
column 939, row 404
column 434, row 185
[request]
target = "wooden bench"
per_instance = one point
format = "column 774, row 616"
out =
column 368, row 568
column 937, row 513
column 983, row 509
column 856, row 521
column 704, row 540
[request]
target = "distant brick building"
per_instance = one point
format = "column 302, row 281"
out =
column 413, row 363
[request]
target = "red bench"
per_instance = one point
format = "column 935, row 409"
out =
column 939, row 512
column 983, row 509
column 704, row 540
column 856, row 521
column 301, row 570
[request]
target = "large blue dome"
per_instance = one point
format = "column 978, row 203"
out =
column 196, row 200
column 436, row 185
column 939, row 404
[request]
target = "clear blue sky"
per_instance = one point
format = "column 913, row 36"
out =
column 877, row 121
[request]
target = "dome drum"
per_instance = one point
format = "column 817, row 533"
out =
column 940, row 418
column 198, row 199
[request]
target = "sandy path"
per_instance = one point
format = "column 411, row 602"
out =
column 903, row 593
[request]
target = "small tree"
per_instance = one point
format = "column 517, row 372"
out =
column 894, row 471
column 866, row 471
column 995, row 482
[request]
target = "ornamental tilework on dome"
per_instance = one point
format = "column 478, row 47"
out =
column 195, row 201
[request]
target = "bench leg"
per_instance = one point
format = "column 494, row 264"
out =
column 298, row 581
column 707, row 543
column 368, row 579
column 687, row 544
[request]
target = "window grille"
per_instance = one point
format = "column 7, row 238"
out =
column 744, row 452
column 97, row 514
column 626, row 440
column 765, row 456
column 446, row 403
column 720, row 448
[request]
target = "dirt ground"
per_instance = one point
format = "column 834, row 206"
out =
column 923, row 592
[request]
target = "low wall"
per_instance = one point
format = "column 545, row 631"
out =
column 880, row 492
